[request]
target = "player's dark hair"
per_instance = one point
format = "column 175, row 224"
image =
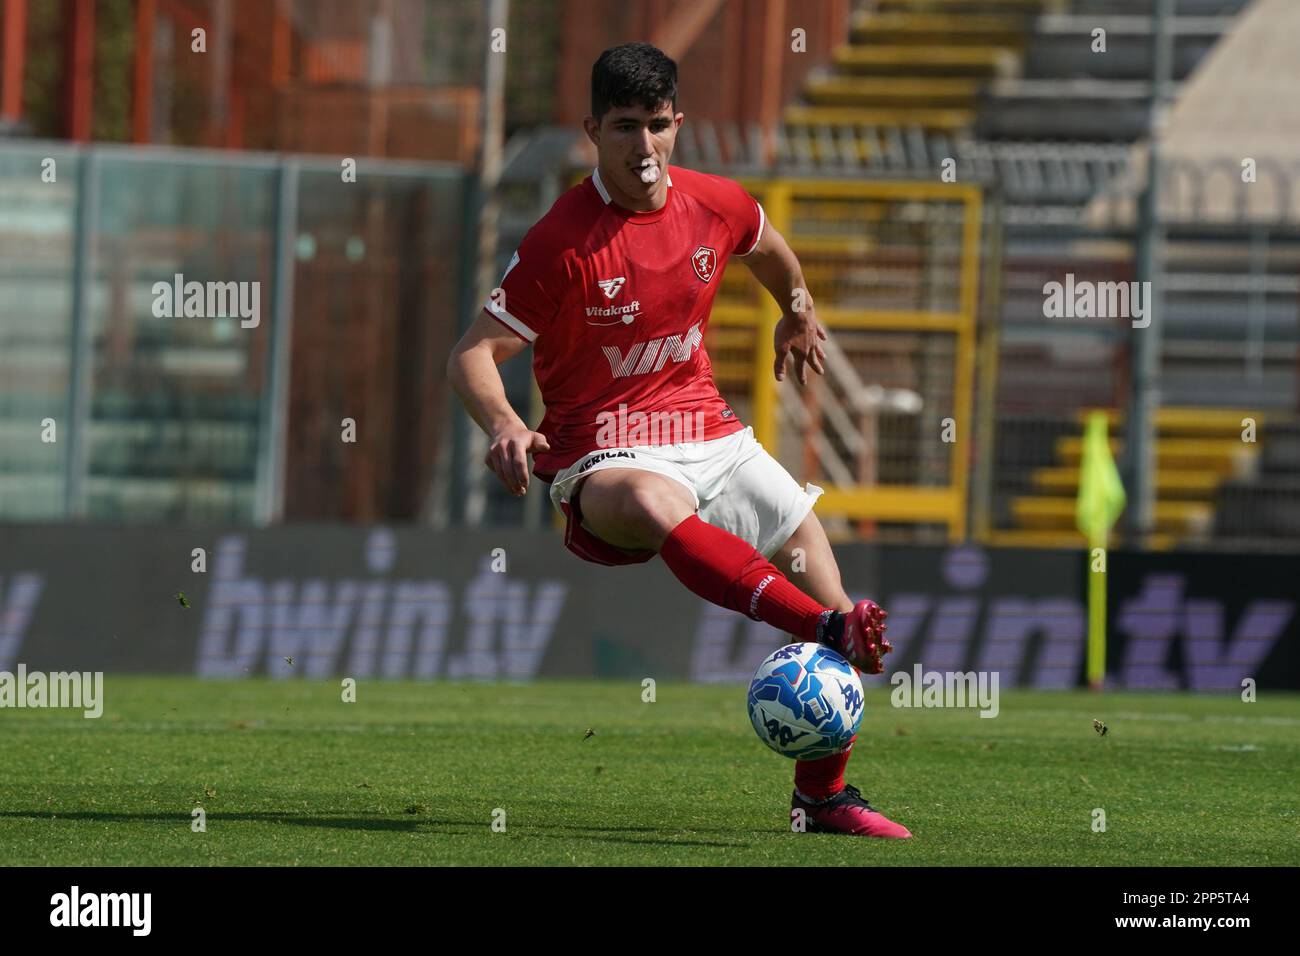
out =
column 632, row 74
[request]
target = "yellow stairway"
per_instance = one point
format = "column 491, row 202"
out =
column 1196, row 449
column 918, row 63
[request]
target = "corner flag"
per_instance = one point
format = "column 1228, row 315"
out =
column 1101, row 499
column 1101, row 493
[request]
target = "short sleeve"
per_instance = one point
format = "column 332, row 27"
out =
column 527, row 298
column 745, row 217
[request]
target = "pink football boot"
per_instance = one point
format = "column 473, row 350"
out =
column 862, row 638
column 846, row 812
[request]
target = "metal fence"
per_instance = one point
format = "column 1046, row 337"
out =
column 1229, row 321
column 893, row 272
column 183, row 333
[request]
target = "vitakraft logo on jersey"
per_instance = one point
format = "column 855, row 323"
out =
column 622, row 314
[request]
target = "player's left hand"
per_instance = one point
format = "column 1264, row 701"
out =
column 799, row 334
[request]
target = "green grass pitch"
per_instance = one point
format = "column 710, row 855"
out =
column 411, row 773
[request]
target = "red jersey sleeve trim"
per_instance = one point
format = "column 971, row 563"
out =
column 762, row 223
column 510, row 322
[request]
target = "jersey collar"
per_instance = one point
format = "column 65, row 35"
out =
column 604, row 193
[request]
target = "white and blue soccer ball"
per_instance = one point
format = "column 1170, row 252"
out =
column 805, row 701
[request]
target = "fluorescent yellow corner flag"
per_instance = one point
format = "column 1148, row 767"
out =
column 1101, row 499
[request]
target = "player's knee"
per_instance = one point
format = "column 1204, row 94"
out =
column 654, row 510
column 631, row 511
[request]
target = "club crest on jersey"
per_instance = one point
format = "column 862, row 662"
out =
column 611, row 286
column 705, row 261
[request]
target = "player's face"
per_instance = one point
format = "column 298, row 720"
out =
column 627, row 137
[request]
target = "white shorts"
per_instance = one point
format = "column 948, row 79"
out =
column 736, row 484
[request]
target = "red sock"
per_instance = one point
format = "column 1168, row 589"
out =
column 822, row 778
column 725, row 569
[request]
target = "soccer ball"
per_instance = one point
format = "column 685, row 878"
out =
column 805, row 702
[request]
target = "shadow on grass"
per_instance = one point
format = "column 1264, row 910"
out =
column 411, row 824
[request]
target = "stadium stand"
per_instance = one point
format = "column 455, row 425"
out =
column 1017, row 92
column 1230, row 290
column 919, row 65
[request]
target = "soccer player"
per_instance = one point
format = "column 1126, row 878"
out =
column 613, row 288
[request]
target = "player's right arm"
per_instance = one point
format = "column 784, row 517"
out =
column 472, row 369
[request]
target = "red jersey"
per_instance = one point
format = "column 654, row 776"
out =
column 615, row 304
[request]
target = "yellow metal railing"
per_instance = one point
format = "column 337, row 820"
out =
column 896, row 503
